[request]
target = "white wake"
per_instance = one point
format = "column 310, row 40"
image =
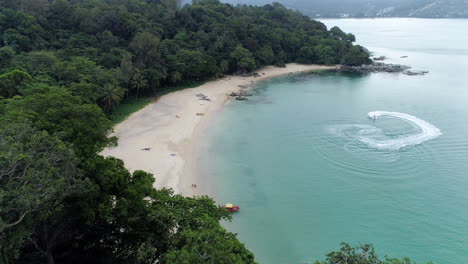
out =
column 428, row 132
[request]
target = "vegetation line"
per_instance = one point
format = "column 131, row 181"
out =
column 124, row 110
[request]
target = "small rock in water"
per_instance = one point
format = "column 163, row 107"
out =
column 241, row 98
column 381, row 58
column 413, row 73
column 404, row 57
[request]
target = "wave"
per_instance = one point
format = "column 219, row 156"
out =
column 428, row 132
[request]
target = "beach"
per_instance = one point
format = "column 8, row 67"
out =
column 162, row 137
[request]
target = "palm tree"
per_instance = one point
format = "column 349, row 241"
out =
column 176, row 77
column 138, row 82
column 111, row 93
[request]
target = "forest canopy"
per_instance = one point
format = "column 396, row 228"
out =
column 107, row 51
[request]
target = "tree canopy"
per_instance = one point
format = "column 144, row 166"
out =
column 362, row 254
column 115, row 50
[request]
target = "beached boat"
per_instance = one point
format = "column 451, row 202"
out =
column 231, row 207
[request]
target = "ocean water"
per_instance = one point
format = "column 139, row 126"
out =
column 311, row 167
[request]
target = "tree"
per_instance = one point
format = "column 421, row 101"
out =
column 356, row 56
column 363, row 254
column 265, row 55
column 209, row 245
column 145, row 46
column 242, row 59
column 11, row 83
column 194, row 64
column 60, row 14
column 57, row 111
column 126, row 70
column 325, row 54
column 138, row 82
column 37, row 172
column 306, row 55
column 6, row 54
column 111, row 94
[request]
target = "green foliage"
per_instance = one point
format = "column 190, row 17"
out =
column 243, row 59
column 356, row 56
column 57, row 111
column 12, row 82
column 324, row 54
column 363, row 254
column 6, row 54
column 209, row 245
column 145, row 46
column 37, row 172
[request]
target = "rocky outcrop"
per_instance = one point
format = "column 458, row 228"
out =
column 241, row 93
column 414, row 72
column 241, row 98
column 381, row 58
column 374, row 67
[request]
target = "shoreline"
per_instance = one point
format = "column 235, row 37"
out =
column 171, row 127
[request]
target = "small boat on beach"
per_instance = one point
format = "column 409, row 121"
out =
column 231, row 207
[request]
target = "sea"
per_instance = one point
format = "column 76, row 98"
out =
column 318, row 159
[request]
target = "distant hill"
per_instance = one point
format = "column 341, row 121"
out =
column 373, row 8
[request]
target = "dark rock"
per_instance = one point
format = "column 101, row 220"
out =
column 203, row 97
column 374, row 67
column 240, row 94
column 404, row 57
column 241, row 98
column 414, row 72
column 381, row 58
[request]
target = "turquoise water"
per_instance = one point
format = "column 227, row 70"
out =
column 299, row 160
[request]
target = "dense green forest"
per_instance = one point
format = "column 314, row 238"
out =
column 105, row 51
column 65, row 66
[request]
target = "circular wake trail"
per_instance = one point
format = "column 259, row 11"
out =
column 428, row 132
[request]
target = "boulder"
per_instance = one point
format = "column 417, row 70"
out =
column 241, row 98
column 374, row 67
column 414, row 72
column 381, row 58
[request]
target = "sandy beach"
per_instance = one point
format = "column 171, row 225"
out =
column 167, row 129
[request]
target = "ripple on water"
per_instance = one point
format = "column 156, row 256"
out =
column 346, row 146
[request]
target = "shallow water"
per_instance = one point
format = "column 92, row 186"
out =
column 306, row 164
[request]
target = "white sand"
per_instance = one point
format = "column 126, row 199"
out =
column 172, row 139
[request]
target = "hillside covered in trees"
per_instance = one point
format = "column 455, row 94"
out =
column 372, row 8
column 65, row 66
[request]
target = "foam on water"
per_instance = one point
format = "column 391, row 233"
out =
column 428, row 132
